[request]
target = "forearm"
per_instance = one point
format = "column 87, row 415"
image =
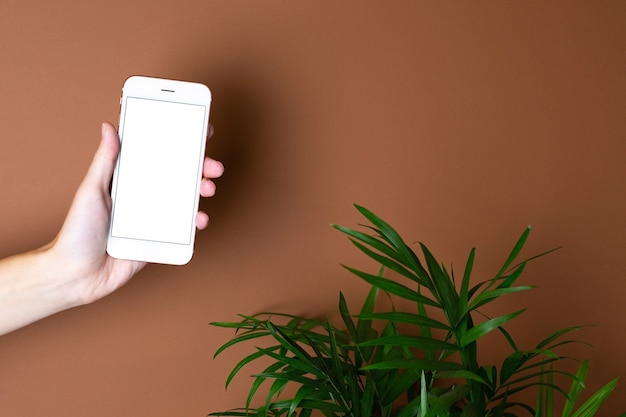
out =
column 31, row 288
column 74, row 269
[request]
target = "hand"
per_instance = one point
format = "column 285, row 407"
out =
column 80, row 248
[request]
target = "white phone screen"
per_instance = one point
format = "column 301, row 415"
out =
column 157, row 180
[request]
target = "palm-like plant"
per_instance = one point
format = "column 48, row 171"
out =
column 370, row 367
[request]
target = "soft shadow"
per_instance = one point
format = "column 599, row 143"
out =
column 237, row 114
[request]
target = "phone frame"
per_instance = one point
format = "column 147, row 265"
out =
column 173, row 91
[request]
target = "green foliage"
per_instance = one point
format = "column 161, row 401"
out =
column 369, row 367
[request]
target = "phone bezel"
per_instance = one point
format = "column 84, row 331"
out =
column 163, row 90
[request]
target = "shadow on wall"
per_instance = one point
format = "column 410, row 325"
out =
column 238, row 118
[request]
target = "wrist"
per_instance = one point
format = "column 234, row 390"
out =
column 56, row 279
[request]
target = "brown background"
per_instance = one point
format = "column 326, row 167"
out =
column 458, row 122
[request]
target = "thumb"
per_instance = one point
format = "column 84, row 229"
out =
column 103, row 164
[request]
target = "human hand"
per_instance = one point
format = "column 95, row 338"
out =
column 79, row 250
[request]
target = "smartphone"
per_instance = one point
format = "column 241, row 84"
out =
column 156, row 184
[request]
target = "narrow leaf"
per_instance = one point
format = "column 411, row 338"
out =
column 393, row 287
column 516, row 250
column 482, row 329
column 407, row 318
column 415, row 342
column 464, row 292
column 415, row 364
column 591, row 406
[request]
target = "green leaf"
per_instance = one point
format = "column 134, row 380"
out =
column 239, row 339
column 415, row 342
column 369, row 393
column 491, row 295
column 414, row 364
column 591, row 406
column 514, row 390
column 259, row 381
column 393, row 287
column 576, row 388
column 508, row 337
column 242, row 363
column 543, row 372
column 364, row 326
column 375, row 243
column 292, row 375
column 387, row 232
column 540, row 408
column 482, row 329
column 391, row 264
column 513, row 363
column 323, row 406
column 556, row 335
column 302, row 359
column 275, row 389
column 515, row 252
column 364, row 330
column 303, row 393
column 416, row 407
column 442, row 403
column 508, row 281
column 464, row 293
column 445, row 293
column 502, row 281
column 230, row 324
column 425, row 328
column 347, row 317
column 407, row 318
column 398, row 385
column 423, row 396
column 462, row 374
column 338, row 365
column 235, row 413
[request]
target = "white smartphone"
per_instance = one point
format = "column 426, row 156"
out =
column 156, row 184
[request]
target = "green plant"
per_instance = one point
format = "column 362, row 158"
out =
column 421, row 360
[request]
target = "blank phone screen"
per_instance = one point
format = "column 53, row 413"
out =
column 157, row 180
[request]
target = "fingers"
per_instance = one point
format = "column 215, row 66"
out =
column 202, row 220
column 212, row 168
column 207, row 188
column 104, row 161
